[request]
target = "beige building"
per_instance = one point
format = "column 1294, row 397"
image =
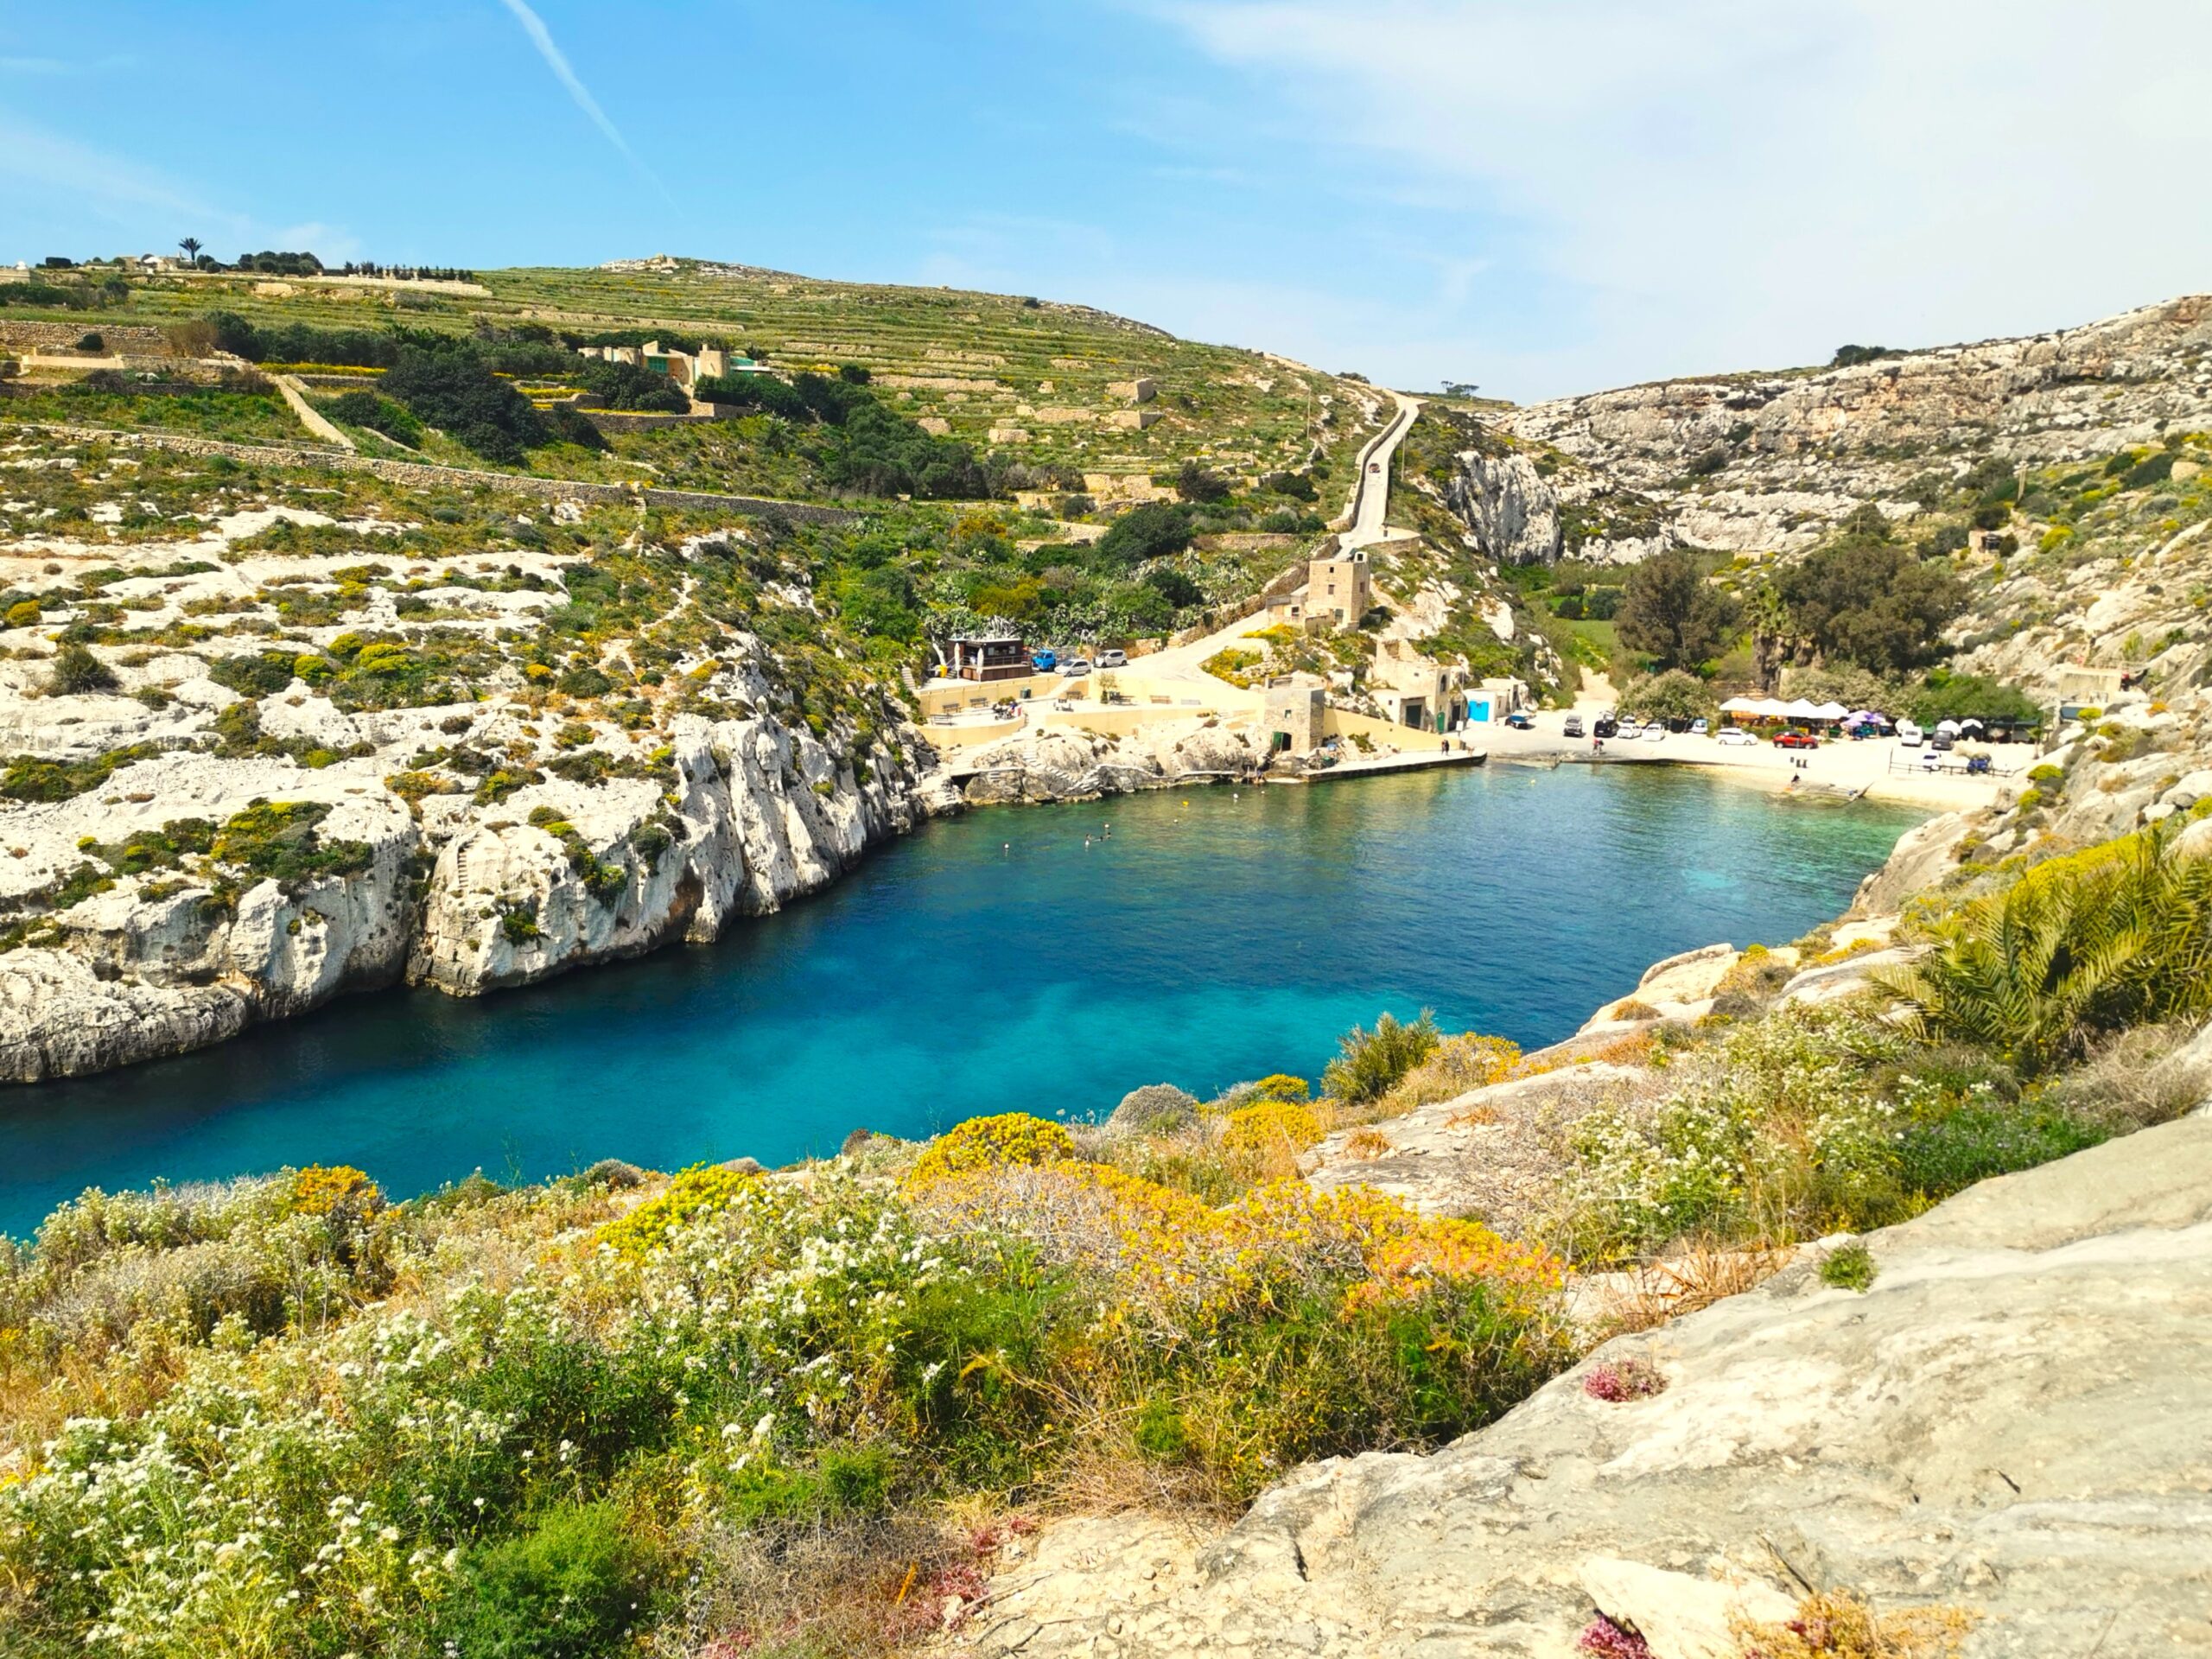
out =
column 1417, row 691
column 1340, row 591
column 1295, row 715
column 2088, row 687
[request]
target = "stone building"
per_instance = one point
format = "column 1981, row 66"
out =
column 1339, row 590
column 1293, row 715
column 1417, row 691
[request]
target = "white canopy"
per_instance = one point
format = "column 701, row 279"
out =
column 1758, row 708
column 1830, row 711
column 1802, row 708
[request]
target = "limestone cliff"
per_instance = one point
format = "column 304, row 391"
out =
column 171, row 953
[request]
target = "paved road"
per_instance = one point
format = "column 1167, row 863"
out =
column 1373, row 506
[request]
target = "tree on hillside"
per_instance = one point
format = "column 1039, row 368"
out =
column 1866, row 599
column 1152, row 531
column 1195, row 483
column 189, row 247
column 1672, row 614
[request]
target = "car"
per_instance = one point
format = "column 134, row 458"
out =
column 1075, row 668
column 1943, row 740
column 1374, row 466
column 1572, row 727
column 1629, row 730
column 1518, row 721
column 1794, row 738
column 1734, row 736
column 1699, row 729
column 1113, row 659
column 1907, row 731
column 1655, row 731
column 1606, row 726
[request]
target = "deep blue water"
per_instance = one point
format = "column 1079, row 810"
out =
column 993, row 962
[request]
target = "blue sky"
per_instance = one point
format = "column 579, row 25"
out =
column 1542, row 196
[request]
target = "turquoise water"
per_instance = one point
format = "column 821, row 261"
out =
column 1011, row 959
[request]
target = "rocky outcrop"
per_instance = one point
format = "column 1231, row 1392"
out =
column 1508, row 506
column 2014, row 1421
column 1063, row 765
column 566, row 876
column 175, row 948
column 1751, row 463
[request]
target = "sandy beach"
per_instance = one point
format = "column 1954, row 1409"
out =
column 1875, row 768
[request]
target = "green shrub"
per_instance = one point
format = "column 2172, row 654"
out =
column 1951, row 1154
column 1849, row 1267
column 77, row 672
column 1369, row 1063
column 566, row 1589
column 364, row 408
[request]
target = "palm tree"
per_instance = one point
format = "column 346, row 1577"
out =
column 191, row 246
column 2118, row 936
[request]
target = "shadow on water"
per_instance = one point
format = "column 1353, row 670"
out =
column 1033, row 959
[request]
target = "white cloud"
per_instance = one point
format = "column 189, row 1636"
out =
column 1710, row 184
column 556, row 60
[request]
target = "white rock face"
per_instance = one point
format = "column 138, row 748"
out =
column 1508, row 506
column 2015, row 1419
column 160, row 962
column 1061, row 765
column 1758, row 463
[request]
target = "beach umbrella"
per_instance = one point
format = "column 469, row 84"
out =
column 1740, row 706
column 1829, row 711
column 1802, row 708
column 1970, row 726
column 1949, row 728
column 1772, row 709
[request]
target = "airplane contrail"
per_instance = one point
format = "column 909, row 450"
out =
column 542, row 38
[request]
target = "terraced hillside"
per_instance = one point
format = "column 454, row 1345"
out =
column 1059, row 387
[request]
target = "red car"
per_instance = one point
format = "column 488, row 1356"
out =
column 1796, row 741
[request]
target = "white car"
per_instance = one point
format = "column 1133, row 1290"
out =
column 1735, row 737
column 1908, row 732
column 1699, row 729
column 1655, row 731
column 1113, row 659
column 1075, row 669
column 1630, row 730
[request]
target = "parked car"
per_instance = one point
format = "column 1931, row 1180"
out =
column 1518, row 721
column 1907, row 731
column 1113, row 659
column 1655, row 731
column 1699, row 729
column 1572, row 727
column 1943, row 740
column 1734, row 736
column 1630, row 729
column 1075, row 668
column 1606, row 726
column 1043, row 661
column 1794, row 738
